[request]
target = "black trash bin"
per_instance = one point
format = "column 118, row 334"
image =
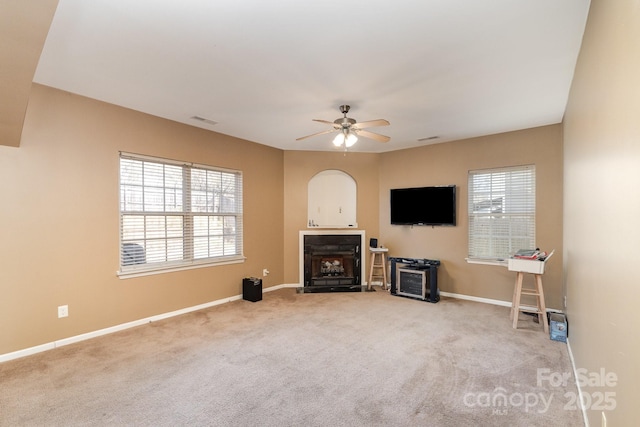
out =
column 252, row 289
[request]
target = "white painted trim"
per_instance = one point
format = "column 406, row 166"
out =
column 27, row 352
column 575, row 375
column 487, row 300
column 476, row 299
column 487, row 261
column 286, row 285
column 82, row 337
column 140, row 272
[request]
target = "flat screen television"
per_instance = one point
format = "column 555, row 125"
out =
column 424, row 206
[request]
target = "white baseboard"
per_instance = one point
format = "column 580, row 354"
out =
column 476, row 299
column 575, row 375
column 286, row 285
column 77, row 338
column 487, row 300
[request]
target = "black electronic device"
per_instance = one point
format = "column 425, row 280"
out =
column 435, row 206
column 373, row 243
column 252, row 289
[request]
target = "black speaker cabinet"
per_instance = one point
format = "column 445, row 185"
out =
column 252, row 289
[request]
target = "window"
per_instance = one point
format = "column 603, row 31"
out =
column 502, row 211
column 176, row 215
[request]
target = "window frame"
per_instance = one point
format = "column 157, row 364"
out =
column 190, row 250
column 517, row 211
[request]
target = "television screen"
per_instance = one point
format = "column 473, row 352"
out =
column 424, row 206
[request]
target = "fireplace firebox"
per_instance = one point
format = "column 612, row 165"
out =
column 332, row 263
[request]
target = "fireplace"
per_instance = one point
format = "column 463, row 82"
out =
column 331, row 262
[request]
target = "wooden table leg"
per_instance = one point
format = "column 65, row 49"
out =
column 542, row 308
column 515, row 306
column 384, row 272
column 373, row 260
column 513, row 297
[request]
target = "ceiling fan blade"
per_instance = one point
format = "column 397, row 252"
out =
column 315, row 134
column 371, row 123
column 371, row 135
column 336, row 126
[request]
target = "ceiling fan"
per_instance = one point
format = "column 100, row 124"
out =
column 349, row 129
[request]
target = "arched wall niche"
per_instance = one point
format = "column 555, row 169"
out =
column 332, row 200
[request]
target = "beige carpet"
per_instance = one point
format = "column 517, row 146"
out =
column 334, row 359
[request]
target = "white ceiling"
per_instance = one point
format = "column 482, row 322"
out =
column 264, row 69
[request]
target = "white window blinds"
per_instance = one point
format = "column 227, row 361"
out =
column 502, row 208
column 175, row 214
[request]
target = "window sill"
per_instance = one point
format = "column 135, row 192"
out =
column 149, row 271
column 488, row 261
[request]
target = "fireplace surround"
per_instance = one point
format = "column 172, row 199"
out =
column 331, row 261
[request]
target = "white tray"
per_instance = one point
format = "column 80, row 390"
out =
column 533, row 266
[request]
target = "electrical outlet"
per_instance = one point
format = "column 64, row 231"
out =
column 265, row 272
column 63, row 311
column 565, row 301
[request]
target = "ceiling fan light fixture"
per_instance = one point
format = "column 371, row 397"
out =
column 345, row 138
column 350, row 139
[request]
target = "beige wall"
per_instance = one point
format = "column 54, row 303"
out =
column 602, row 205
column 300, row 167
column 438, row 164
column 449, row 163
column 59, row 219
column 60, row 213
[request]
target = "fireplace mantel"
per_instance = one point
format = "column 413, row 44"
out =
column 328, row 232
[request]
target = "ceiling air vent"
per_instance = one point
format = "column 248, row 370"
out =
column 203, row 120
column 429, row 138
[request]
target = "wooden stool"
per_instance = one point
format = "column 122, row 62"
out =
column 379, row 262
column 538, row 292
